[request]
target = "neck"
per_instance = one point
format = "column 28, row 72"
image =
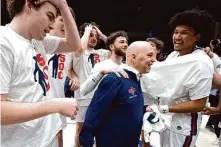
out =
column 117, row 59
column 52, row 33
column 187, row 51
column 132, row 65
column 89, row 48
column 20, row 25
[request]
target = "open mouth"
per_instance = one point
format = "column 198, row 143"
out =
column 46, row 31
column 178, row 42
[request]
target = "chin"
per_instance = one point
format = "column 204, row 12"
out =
column 177, row 48
column 39, row 38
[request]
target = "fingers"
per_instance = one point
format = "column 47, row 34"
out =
column 116, row 73
column 124, row 74
column 73, row 85
column 40, row 1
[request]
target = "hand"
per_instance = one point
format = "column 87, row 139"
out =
column 67, row 107
column 74, row 83
column 88, row 29
column 208, row 51
column 149, row 109
column 100, row 34
column 118, row 72
column 57, row 3
column 210, row 110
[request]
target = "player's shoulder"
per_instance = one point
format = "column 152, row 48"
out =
column 112, row 77
column 101, row 51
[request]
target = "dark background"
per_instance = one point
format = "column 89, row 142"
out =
column 137, row 17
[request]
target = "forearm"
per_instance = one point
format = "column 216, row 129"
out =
column 192, row 106
column 84, row 43
column 103, row 37
column 71, row 32
column 217, row 80
column 16, row 112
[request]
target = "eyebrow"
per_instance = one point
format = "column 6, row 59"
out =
column 182, row 30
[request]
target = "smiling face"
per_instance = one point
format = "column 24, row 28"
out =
column 41, row 19
column 145, row 59
column 184, row 38
column 119, row 46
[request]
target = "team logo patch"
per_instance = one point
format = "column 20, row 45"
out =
column 132, row 91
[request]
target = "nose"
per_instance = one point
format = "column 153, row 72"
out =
column 177, row 36
column 153, row 59
column 125, row 45
column 50, row 27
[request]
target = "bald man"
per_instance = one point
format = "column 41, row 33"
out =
column 115, row 114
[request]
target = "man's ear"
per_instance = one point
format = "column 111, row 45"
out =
column 197, row 37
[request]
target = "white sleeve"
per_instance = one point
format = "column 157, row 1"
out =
column 6, row 58
column 51, row 44
column 200, row 89
column 91, row 82
column 200, row 84
column 217, row 63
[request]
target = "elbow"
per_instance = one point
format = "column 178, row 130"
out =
column 74, row 45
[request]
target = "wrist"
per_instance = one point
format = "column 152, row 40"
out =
column 53, row 106
column 164, row 108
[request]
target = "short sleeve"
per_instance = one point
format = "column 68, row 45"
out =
column 6, row 58
column 200, row 84
column 200, row 89
column 51, row 44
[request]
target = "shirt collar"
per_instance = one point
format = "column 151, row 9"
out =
column 129, row 68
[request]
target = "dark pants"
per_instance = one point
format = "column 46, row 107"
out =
column 214, row 119
column 67, row 91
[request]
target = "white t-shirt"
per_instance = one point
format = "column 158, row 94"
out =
column 83, row 65
column 178, row 80
column 58, row 68
column 104, row 65
column 24, row 77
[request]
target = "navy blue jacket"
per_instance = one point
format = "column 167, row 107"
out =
column 115, row 114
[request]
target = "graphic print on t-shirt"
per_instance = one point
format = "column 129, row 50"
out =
column 94, row 58
column 57, row 65
column 41, row 69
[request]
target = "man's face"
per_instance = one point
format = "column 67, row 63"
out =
column 184, row 38
column 93, row 38
column 41, row 19
column 58, row 27
column 119, row 46
column 144, row 59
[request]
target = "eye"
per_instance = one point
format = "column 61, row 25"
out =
column 50, row 17
column 150, row 55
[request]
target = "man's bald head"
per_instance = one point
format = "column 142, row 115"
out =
column 136, row 46
column 141, row 55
